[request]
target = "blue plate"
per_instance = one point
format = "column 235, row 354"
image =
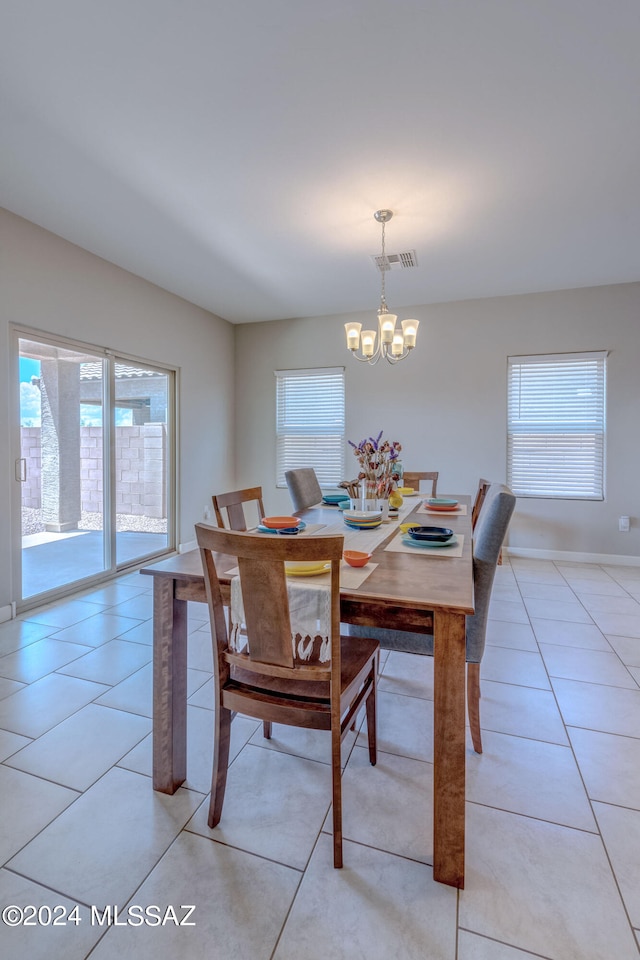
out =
column 333, row 498
column 428, row 544
column 432, row 534
column 287, row 530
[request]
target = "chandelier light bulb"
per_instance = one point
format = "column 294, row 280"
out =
column 410, row 333
column 368, row 342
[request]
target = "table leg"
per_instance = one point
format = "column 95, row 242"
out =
column 449, row 748
column 169, row 687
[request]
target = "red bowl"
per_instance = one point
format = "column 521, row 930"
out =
column 356, row 558
column 280, row 523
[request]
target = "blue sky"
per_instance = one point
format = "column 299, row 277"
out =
column 90, row 416
column 29, row 394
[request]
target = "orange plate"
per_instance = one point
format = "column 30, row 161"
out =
column 445, row 507
column 280, row 523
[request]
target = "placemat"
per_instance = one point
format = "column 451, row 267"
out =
column 366, row 540
column 397, row 546
column 350, row 577
column 459, row 511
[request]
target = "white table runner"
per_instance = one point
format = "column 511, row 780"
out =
column 309, row 611
column 309, row 600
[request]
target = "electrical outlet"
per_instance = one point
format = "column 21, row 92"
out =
column 206, row 513
column 624, row 524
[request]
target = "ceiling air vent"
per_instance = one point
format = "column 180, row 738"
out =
column 396, row 261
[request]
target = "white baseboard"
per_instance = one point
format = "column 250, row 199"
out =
column 607, row 559
column 185, row 547
column 7, row 613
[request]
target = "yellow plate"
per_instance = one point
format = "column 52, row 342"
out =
column 308, row 571
column 407, row 526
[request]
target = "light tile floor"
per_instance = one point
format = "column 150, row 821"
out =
column 553, row 804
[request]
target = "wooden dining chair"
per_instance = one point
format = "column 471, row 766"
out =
column 412, row 479
column 233, row 503
column 271, row 670
column 304, row 487
column 488, row 538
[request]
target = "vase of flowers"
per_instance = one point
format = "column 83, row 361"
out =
column 378, row 463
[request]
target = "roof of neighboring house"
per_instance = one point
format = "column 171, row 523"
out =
column 93, row 371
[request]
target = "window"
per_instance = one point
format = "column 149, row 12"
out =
column 556, row 425
column 310, row 423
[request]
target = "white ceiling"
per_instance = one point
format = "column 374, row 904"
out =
column 234, row 152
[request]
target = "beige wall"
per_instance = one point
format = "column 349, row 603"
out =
column 447, row 402
column 56, row 287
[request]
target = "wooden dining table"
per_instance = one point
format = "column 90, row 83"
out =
column 416, row 591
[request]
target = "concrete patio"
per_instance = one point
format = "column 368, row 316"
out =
column 51, row 560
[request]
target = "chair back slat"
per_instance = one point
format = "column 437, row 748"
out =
column 261, row 563
column 412, row 478
column 264, row 588
column 233, row 502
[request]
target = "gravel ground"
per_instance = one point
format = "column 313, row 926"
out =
column 32, row 523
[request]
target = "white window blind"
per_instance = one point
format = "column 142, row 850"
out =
column 556, row 425
column 310, row 423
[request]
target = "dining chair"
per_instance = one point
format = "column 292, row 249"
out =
column 289, row 663
column 488, row 538
column 304, row 487
column 233, row 502
column 412, row 479
column 483, row 486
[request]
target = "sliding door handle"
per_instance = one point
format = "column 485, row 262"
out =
column 21, row 470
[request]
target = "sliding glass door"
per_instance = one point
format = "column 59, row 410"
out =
column 95, row 464
column 142, row 399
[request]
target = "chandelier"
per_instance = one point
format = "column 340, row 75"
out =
column 392, row 344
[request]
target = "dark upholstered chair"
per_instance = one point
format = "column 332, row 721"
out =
column 304, row 487
column 491, row 529
column 268, row 670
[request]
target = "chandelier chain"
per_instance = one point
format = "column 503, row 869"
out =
column 383, row 270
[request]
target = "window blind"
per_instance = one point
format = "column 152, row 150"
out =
column 310, row 423
column 556, row 425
